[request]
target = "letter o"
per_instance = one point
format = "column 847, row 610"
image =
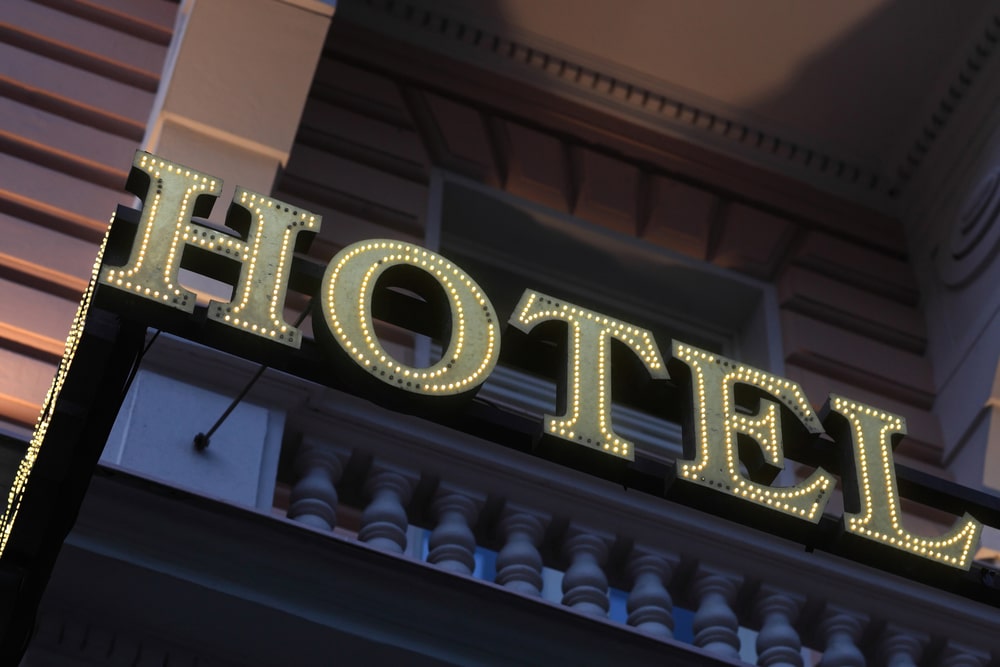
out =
column 346, row 300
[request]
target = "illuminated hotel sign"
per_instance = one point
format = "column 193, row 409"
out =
column 261, row 241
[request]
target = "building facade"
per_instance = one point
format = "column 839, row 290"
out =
column 808, row 195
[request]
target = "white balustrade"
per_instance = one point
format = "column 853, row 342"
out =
column 956, row 655
column 384, row 521
column 585, row 586
column 712, row 592
column 901, row 647
column 314, row 496
column 649, row 605
column 715, row 623
column 778, row 642
column 842, row 631
column 519, row 563
column 452, row 545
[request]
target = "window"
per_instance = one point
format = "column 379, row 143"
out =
column 508, row 244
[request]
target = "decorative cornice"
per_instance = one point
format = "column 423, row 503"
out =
column 645, row 100
column 957, row 90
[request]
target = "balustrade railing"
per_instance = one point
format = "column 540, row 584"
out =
column 841, row 631
column 544, row 531
column 729, row 613
column 519, row 562
column 650, row 606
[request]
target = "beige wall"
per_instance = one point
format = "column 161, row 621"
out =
column 80, row 90
column 76, row 88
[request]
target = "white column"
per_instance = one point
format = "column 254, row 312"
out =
column 778, row 642
column 384, row 520
column 234, row 86
column 519, row 563
column 650, row 607
column 901, row 647
column 842, row 630
column 314, row 496
column 715, row 623
column 956, row 655
column 452, row 545
column 585, row 586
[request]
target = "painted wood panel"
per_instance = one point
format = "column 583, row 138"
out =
column 77, row 81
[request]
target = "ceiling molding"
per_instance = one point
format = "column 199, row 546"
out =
column 644, row 100
column 955, row 94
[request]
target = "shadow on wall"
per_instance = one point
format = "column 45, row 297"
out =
column 849, row 79
column 868, row 91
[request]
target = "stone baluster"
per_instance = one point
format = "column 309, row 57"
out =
column 900, row 647
column 778, row 642
column 715, row 623
column 585, row 586
column 313, row 501
column 842, row 630
column 957, row 655
column 452, row 546
column 384, row 522
column 650, row 607
column 519, row 563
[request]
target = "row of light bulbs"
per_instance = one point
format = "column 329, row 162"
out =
column 346, row 299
